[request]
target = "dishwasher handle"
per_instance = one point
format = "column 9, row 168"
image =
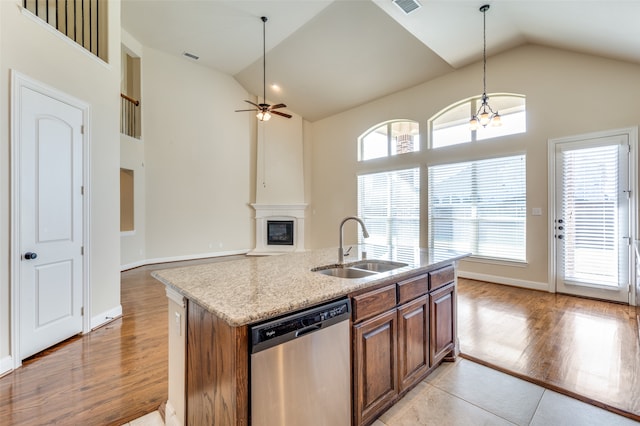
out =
column 309, row 329
column 280, row 330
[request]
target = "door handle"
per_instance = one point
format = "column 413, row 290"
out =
column 30, row 255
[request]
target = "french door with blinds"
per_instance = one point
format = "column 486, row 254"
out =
column 591, row 223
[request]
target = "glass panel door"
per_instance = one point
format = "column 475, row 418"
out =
column 592, row 218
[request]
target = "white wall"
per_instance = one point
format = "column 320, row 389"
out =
column 279, row 165
column 133, row 244
column 199, row 160
column 567, row 94
column 34, row 49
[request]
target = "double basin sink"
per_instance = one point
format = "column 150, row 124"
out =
column 360, row 269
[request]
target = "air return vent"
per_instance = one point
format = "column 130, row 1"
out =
column 190, row 56
column 407, row 6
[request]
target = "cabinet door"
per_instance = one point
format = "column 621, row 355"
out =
column 375, row 366
column 443, row 314
column 413, row 341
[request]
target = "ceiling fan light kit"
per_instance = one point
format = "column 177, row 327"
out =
column 485, row 114
column 264, row 109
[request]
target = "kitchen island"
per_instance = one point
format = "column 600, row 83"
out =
column 391, row 310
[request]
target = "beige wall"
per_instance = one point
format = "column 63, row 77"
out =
column 279, row 161
column 133, row 244
column 199, row 160
column 30, row 47
column 567, row 94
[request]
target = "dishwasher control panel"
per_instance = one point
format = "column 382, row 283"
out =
column 274, row 332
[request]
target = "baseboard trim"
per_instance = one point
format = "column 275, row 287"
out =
column 106, row 317
column 145, row 262
column 6, row 365
column 531, row 285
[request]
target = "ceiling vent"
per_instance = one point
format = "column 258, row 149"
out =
column 407, row 6
column 190, row 56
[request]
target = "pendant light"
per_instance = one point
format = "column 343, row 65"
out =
column 264, row 109
column 485, row 114
column 264, row 115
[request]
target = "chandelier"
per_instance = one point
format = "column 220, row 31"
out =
column 485, row 114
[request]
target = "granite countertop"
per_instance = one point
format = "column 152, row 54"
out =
column 253, row 289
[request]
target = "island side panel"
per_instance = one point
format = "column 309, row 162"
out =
column 217, row 370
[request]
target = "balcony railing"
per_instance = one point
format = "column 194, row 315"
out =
column 129, row 116
column 83, row 21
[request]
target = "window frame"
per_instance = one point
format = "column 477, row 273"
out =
column 476, row 220
column 389, row 136
column 390, row 219
column 474, row 103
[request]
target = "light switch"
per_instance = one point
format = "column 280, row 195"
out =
column 536, row 211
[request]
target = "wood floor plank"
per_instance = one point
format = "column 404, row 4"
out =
column 585, row 348
column 108, row 377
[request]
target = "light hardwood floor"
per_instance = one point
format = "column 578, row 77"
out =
column 119, row 372
column 583, row 348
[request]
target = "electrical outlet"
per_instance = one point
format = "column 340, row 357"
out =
column 536, row 211
column 178, row 320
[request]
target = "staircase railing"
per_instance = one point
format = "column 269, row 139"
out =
column 83, row 21
column 129, row 116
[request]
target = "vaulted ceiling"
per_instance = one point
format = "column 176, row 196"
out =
column 327, row 56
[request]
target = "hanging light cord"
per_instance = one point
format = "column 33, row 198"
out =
column 485, row 113
column 264, row 60
column 484, row 49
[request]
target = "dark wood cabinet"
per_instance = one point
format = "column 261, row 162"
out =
column 375, row 366
column 401, row 332
column 442, row 323
column 413, row 342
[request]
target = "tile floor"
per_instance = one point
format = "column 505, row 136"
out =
column 465, row 393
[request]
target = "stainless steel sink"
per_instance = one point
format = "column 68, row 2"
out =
column 377, row 265
column 360, row 269
column 345, row 272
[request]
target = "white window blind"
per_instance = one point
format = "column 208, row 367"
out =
column 389, row 204
column 592, row 235
column 479, row 207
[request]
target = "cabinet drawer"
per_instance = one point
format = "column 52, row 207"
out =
column 440, row 277
column 374, row 302
column 412, row 288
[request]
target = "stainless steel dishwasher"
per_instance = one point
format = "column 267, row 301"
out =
column 300, row 368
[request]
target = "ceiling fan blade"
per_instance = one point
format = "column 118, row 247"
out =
column 243, row 110
column 278, row 106
column 281, row 113
column 255, row 105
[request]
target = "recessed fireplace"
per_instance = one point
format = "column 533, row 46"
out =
column 280, row 232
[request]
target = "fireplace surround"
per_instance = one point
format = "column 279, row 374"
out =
column 279, row 228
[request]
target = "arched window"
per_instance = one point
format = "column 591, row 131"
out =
column 451, row 125
column 389, row 138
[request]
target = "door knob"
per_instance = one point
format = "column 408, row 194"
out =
column 30, row 255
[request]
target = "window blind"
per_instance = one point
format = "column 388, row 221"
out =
column 590, row 191
column 479, row 207
column 389, row 204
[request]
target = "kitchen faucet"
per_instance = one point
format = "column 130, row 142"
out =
column 365, row 234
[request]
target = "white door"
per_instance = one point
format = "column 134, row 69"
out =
column 592, row 217
column 50, row 223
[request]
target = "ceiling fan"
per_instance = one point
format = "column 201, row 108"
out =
column 264, row 109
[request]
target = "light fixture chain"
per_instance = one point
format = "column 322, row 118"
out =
column 484, row 51
column 264, row 60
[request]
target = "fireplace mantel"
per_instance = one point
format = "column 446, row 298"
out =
column 266, row 212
